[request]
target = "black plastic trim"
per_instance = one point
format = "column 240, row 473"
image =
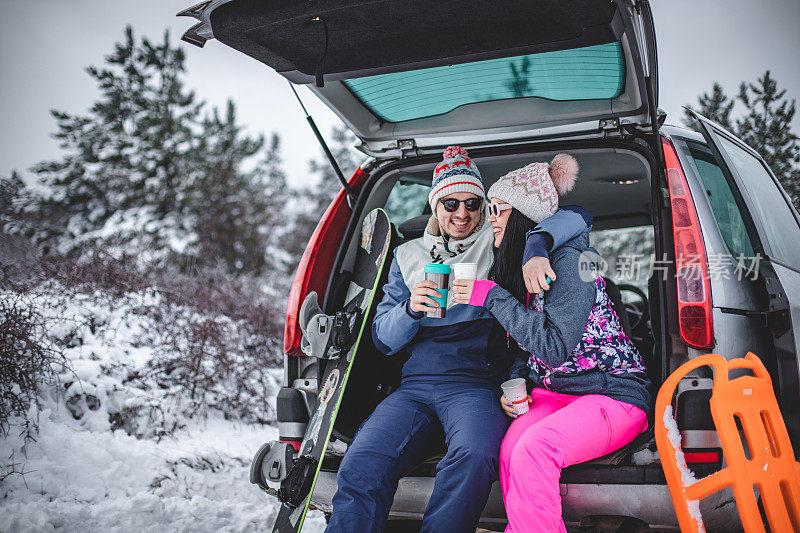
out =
column 693, row 411
column 577, row 474
column 280, row 34
column 290, row 406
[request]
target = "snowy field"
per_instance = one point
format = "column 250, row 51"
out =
column 83, row 480
column 121, row 448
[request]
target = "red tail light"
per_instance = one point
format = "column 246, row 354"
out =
column 294, row 444
column 702, row 457
column 316, row 264
column 691, row 260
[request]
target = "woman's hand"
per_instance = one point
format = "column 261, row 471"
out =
column 462, row 290
column 422, row 297
column 508, row 408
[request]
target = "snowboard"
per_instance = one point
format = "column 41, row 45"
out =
column 373, row 249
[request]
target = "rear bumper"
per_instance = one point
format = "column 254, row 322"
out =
column 411, row 499
column 650, row 503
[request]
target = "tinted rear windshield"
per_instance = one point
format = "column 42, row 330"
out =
column 589, row 73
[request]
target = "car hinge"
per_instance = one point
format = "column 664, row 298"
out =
column 394, row 149
column 777, row 317
column 407, row 147
column 611, row 128
column 775, row 320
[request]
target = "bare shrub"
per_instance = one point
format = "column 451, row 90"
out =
column 95, row 270
column 215, row 340
column 27, row 361
column 205, row 365
column 207, row 291
column 148, row 420
column 196, row 360
column 98, row 271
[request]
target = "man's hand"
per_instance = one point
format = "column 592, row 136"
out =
column 422, row 295
column 535, row 273
column 462, row 290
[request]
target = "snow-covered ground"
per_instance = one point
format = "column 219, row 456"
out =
column 76, row 479
column 101, row 460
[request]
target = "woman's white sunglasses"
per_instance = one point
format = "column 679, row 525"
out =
column 495, row 208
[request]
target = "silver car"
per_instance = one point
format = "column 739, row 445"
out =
column 515, row 82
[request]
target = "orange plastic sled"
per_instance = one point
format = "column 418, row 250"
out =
column 771, row 466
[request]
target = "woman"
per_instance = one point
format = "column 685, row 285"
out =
column 588, row 385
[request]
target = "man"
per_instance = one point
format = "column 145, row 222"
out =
column 451, row 379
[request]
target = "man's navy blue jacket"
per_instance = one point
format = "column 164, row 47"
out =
column 468, row 344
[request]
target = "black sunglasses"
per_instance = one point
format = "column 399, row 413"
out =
column 451, row 204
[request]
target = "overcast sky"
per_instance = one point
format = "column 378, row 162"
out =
column 45, row 45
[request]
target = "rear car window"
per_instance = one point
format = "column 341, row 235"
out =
column 723, row 204
column 629, row 254
column 587, row 73
column 780, row 226
column 406, row 200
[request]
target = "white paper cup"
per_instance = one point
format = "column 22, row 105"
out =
column 465, row 270
column 516, row 392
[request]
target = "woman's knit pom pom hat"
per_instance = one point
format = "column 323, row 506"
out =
column 534, row 190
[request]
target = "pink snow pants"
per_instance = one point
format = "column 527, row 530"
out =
column 558, row 431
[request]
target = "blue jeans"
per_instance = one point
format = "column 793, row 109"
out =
column 400, row 433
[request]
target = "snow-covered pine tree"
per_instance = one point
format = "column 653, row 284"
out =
column 716, row 106
column 767, row 127
column 165, row 136
column 235, row 210
column 9, row 191
column 314, row 200
column 148, row 172
column 277, row 220
column 119, row 180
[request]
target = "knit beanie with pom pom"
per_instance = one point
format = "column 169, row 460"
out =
column 456, row 173
column 534, row 190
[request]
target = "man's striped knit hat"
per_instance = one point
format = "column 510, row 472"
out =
column 456, row 173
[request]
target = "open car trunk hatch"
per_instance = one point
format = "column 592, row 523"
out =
column 406, row 72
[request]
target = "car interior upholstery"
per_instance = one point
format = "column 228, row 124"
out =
column 613, row 185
